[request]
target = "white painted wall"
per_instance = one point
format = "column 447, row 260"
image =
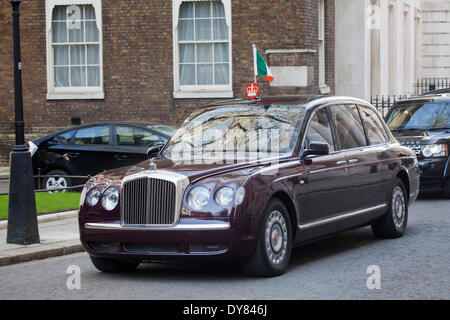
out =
column 354, row 51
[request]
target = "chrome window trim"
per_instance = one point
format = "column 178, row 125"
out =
column 181, row 183
column 331, row 101
column 179, row 227
column 320, row 222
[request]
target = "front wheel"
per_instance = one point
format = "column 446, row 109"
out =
column 114, row 265
column 274, row 243
column 393, row 223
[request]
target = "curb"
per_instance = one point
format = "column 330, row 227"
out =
column 39, row 253
column 47, row 218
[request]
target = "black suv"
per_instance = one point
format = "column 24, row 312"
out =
column 423, row 124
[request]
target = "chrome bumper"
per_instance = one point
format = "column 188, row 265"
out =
column 210, row 226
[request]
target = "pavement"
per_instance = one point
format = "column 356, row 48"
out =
column 59, row 236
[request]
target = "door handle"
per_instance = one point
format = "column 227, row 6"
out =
column 73, row 155
column 353, row 160
column 120, row 157
column 341, row 163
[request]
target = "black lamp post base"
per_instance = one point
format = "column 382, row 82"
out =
column 22, row 217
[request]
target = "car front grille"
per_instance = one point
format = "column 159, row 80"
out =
column 415, row 147
column 148, row 201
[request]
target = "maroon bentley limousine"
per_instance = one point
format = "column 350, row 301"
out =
column 247, row 181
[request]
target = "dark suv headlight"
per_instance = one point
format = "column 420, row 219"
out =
column 435, row 151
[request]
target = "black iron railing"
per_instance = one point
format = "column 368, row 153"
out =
column 39, row 178
column 425, row 85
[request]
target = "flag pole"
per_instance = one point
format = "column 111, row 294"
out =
column 254, row 63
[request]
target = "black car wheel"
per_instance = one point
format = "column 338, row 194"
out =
column 114, row 265
column 393, row 223
column 446, row 189
column 59, row 181
column 274, row 243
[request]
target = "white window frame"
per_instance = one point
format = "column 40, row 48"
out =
column 324, row 89
column 196, row 91
column 61, row 93
column 321, row 38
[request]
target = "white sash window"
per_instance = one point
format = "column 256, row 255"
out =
column 74, row 50
column 202, row 49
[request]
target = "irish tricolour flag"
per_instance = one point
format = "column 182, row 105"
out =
column 261, row 68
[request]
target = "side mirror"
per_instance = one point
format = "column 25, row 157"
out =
column 317, row 149
column 154, row 150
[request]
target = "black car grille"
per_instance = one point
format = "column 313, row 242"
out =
column 148, row 201
column 415, row 147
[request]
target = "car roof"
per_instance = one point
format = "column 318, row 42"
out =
column 307, row 101
column 105, row 123
column 427, row 98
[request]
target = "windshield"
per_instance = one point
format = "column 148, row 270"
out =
column 238, row 132
column 420, row 116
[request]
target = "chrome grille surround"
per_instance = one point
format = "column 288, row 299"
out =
column 145, row 212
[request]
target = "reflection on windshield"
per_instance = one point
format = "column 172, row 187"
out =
column 420, row 116
column 237, row 132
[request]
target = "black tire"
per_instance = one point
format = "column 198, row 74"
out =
column 272, row 255
column 394, row 222
column 446, row 189
column 114, row 265
column 62, row 182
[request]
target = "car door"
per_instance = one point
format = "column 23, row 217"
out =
column 131, row 144
column 327, row 177
column 378, row 140
column 362, row 159
column 92, row 151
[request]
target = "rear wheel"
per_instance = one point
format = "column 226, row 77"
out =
column 58, row 181
column 274, row 243
column 446, row 189
column 114, row 265
column 393, row 223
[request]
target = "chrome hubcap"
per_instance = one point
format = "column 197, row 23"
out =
column 276, row 236
column 398, row 207
column 56, row 183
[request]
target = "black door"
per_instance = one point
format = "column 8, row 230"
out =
column 92, row 151
column 132, row 143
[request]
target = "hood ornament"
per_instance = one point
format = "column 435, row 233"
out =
column 152, row 166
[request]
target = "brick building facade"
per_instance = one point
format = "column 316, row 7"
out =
column 137, row 60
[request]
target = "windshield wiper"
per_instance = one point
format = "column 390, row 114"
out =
column 443, row 128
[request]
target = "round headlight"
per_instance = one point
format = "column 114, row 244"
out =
column 435, row 150
column 93, row 196
column 110, row 198
column 224, row 196
column 198, row 198
column 240, row 195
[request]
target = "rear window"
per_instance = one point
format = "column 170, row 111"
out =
column 419, row 115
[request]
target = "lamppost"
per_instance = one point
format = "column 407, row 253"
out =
column 22, row 217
